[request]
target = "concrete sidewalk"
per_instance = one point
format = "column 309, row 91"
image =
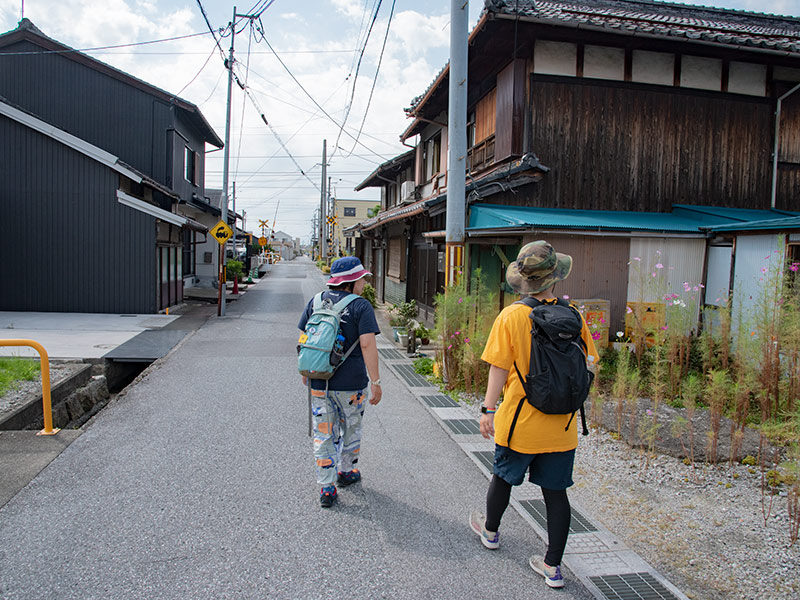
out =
column 198, row 482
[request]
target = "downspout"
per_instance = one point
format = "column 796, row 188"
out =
column 777, row 141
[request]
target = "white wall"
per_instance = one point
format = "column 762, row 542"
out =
column 555, row 58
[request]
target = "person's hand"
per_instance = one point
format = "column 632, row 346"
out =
column 487, row 425
column 376, row 394
column 305, row 380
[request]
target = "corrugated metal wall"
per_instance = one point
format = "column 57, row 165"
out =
column 755, row 254
column 67, row 244
column 599, row 270
column 108, row 113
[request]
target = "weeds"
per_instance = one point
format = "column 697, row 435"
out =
column 14, row 369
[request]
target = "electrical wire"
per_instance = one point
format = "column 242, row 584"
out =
column 349, row 105
column 374, row 81
column 213, row 50
column 305, row 91
column 131, row 45
column 211, row 29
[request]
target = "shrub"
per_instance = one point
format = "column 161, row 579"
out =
column 423, row 365
column 369, row 294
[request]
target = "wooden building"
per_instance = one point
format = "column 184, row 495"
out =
column 608, row 105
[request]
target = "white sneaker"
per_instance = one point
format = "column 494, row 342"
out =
column 552, row 575
column 490, row 539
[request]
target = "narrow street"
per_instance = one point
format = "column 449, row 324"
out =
column 198, row 482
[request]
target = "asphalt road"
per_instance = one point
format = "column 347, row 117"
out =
column 198, row 482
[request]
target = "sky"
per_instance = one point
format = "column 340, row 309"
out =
column 304, row 70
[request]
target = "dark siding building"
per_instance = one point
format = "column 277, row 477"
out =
column 81, row 236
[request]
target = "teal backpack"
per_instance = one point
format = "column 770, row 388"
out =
column 321, row 346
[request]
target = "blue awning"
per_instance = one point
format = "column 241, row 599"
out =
column 683, row 220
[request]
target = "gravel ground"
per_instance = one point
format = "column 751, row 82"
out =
column 703, row 527
column 25, row 390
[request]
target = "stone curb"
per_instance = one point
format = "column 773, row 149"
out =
column 31, row 411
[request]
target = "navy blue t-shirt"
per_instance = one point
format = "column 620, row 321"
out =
column 357, row 319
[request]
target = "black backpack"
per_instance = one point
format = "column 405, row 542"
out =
column 558, row 380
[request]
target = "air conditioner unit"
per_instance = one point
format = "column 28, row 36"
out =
column 407, row 190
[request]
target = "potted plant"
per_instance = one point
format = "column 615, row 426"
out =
column 400, row 317
column 423, row 334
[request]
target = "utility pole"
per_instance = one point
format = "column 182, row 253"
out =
column 331, row 226
column 322, row 208
column 226, row 160
column 456, row 140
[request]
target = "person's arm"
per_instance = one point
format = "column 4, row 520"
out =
column 369, row 350
column 497, row 380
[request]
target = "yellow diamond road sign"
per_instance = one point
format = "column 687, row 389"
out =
column 221, row 232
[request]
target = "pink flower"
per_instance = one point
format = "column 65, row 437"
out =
column 700, row 285
column 696, row 288
column 665, row 327
column 450, row 347
column 649, row 413
column 659, row 266
column 637, row 258
column 763, row 269
column 460, row 300
column 628, row 309
column 602, row 320
column 466, row 340
column 595, row 335
column 658, row 252
column 653, row 273
column 458, row 333
column 794, row 266
column 565, row 297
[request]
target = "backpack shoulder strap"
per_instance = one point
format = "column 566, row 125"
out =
column 345, row 302
column 528, row 301
column 317, row 304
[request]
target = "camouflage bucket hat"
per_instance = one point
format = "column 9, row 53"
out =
column 537, row 268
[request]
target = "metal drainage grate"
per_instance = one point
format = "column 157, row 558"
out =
column 390, row 354
column 463, row 426
column 632, row 586
column 439, row 401
column 486, row 457
column 410, row 376
column 578, row 523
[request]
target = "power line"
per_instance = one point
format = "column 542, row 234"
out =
column 131, row 45
column 198, row 73
column 349, row 106
column 374, row 80
column 300, row 85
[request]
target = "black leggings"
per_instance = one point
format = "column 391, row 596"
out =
column 558, row 516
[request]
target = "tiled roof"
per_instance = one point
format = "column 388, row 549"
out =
column 723, row 26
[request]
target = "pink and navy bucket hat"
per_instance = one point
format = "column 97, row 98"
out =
column 345, row 270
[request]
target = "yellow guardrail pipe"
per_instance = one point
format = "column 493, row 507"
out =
column 44, row 361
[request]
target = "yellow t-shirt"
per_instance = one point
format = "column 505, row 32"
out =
column 535, row 432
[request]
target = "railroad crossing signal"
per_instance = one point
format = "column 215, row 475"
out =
column 263, row 223
column 221, row 232
column 331, row 220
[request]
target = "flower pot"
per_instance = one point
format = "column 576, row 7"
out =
column 398, row 331
column 403, row 338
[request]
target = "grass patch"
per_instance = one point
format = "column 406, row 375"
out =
column 14, row 369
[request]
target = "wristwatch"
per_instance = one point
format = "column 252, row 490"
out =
column 376, row 382
column 487, row 411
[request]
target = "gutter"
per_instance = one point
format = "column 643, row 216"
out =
column 773, row 193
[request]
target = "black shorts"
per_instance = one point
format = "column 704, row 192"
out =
column 551, row 470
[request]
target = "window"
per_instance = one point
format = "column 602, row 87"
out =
column 349, row 211
column 191, row 162
column 189, row 252
column 432, row 156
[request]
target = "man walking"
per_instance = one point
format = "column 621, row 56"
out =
column 337, row 404
column 526, row 439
